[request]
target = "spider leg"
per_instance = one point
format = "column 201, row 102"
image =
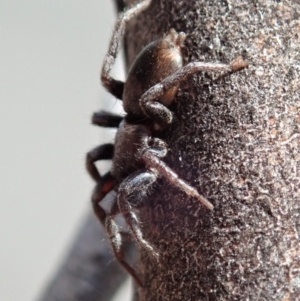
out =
column 157, row 146
column 115, row 237
column 159, row 113
column 131, row 194
column 104, row 183
column 102, row 152
column 152, row 161
column 116, row 87
column 106, row 119
column 151, row 152
column 120, row 5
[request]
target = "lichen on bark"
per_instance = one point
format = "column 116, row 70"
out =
column 236, row 139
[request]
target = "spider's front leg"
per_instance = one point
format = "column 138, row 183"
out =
column 152, row 103
column 116, row 87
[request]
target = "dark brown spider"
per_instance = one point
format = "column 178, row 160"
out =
column 152, row 82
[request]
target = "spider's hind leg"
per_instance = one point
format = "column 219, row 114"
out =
column 131, row 194
column 116, row 238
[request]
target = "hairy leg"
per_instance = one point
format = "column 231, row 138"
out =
column 102, row 152
column 159, row 113
column 103, row 186
column 104, row 183
column 132, row 194
column 116, row 87
column 106, row 119
column 151, row 151
column 116, row 238
column 152, row 161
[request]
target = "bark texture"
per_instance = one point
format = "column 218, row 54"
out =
column 236, row 139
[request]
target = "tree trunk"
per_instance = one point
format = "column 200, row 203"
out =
column 236, row 139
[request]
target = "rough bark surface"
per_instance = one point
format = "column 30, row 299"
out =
column 236, row 139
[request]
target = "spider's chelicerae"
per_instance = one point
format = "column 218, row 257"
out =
column 151, row 85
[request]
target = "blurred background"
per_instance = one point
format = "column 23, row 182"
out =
column 51, row 53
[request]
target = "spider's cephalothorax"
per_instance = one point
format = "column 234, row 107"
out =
column 151, row 85
column 157, row 61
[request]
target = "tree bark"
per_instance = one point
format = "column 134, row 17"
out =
column 236, row 139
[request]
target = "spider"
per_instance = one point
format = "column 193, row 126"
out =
column 151, row 85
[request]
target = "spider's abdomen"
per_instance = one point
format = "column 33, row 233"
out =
column 157, row 61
